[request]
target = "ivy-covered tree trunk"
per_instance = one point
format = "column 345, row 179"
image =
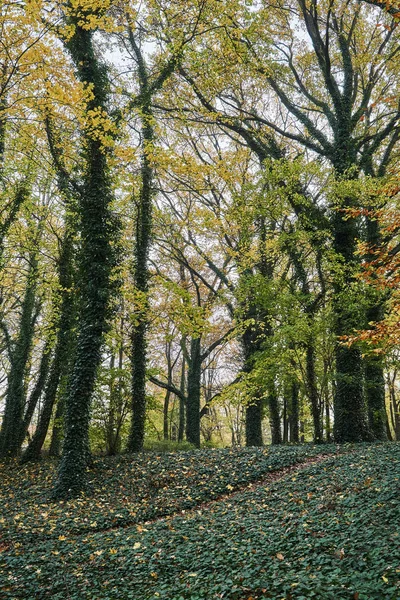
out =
column 13, row 420
column 294, row 413
column 255, row 408
column 351, row 424
column 57, row 434
column 181, row 427
column 285, row 419
column 373, row 364
column 254, row 417
column 375, row 389
column 20, row 195
column 96, row 263
column 141, row 281
column 274, row 416
column 63, row 350
column 193, row 393
column 37, row 390
column 312, row 392
column 166, row 413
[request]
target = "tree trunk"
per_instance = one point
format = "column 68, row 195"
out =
column 375, row 393
column 62, row 353
column 37, row 390
column 328, row 432
column 13, row 420
column 312, row 392
column 165, row 414
column 373, row 364
column 98, row 227
column 181, row 428
column 116, row 408
column 193, row 394
column 251, row 342
column 349, row 404
column 286, row 403
column 141, row 281
column 294, row 411
column 394, row 407
column 302, row 432
column 254, row 416
column 274, row 416
column 57, row 434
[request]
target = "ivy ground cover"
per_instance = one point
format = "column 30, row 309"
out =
column 328, row 531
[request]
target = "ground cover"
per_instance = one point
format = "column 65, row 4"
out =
column 329, row 531
column 126, row 490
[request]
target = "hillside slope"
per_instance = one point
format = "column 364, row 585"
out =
column 328, row 530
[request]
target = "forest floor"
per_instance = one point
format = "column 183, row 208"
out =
column 290, row 523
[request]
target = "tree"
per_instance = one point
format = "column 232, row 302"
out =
column 98, row 229
column 307, row 115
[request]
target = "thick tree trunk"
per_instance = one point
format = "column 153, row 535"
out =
column 254, row 417
column 255, row 409
column 97, row 261
column 351, row 423
column 193, row 394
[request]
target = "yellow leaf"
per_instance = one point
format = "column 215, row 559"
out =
column 280, row 556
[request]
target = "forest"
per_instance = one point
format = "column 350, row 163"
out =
column 199, row 271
